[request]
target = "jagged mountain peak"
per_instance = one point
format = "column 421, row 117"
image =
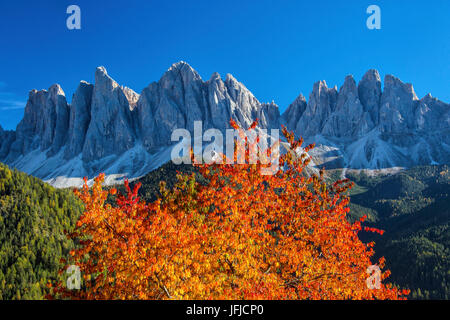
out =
column 131, row 96
column 371, row 75
column 300, row 100
column 179, row 66
column 101, row 71
column 232, row 82
column 36, row 94
column 110, row 128
column 349, row 84
column 369, row 93
column 215, row 76
column 319, row 85
column 370, row 87
column 56, row 90
column 295, row 110
column 240, row 94
column 230, row 77
column 393, row 83
column 181, row 70
column 428, row 96
column 349, row 77
column 300, row 97
column 103, row 81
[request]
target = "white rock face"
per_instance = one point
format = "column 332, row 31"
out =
column 398, row 105
column 173, row 102
column 44, row 124
column 321, row 104
column 219, row 101
column 182, row 97
column 58, row 102
column 349, row 118
column 295, row 110
column 110, row 128
column 367, row 128
column 431, row 115
column 369, row 93
column 80, row 117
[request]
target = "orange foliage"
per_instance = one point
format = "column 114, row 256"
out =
column 242, row 235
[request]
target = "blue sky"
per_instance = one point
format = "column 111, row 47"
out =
column 278, row 49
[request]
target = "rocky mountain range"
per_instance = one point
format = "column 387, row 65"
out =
column 112, row 129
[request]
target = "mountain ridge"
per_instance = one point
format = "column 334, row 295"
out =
column 110, row 128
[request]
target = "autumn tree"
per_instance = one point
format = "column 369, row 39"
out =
column 239, row 235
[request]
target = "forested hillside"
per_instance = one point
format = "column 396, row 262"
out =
column 413, row 207
column 33, row 217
